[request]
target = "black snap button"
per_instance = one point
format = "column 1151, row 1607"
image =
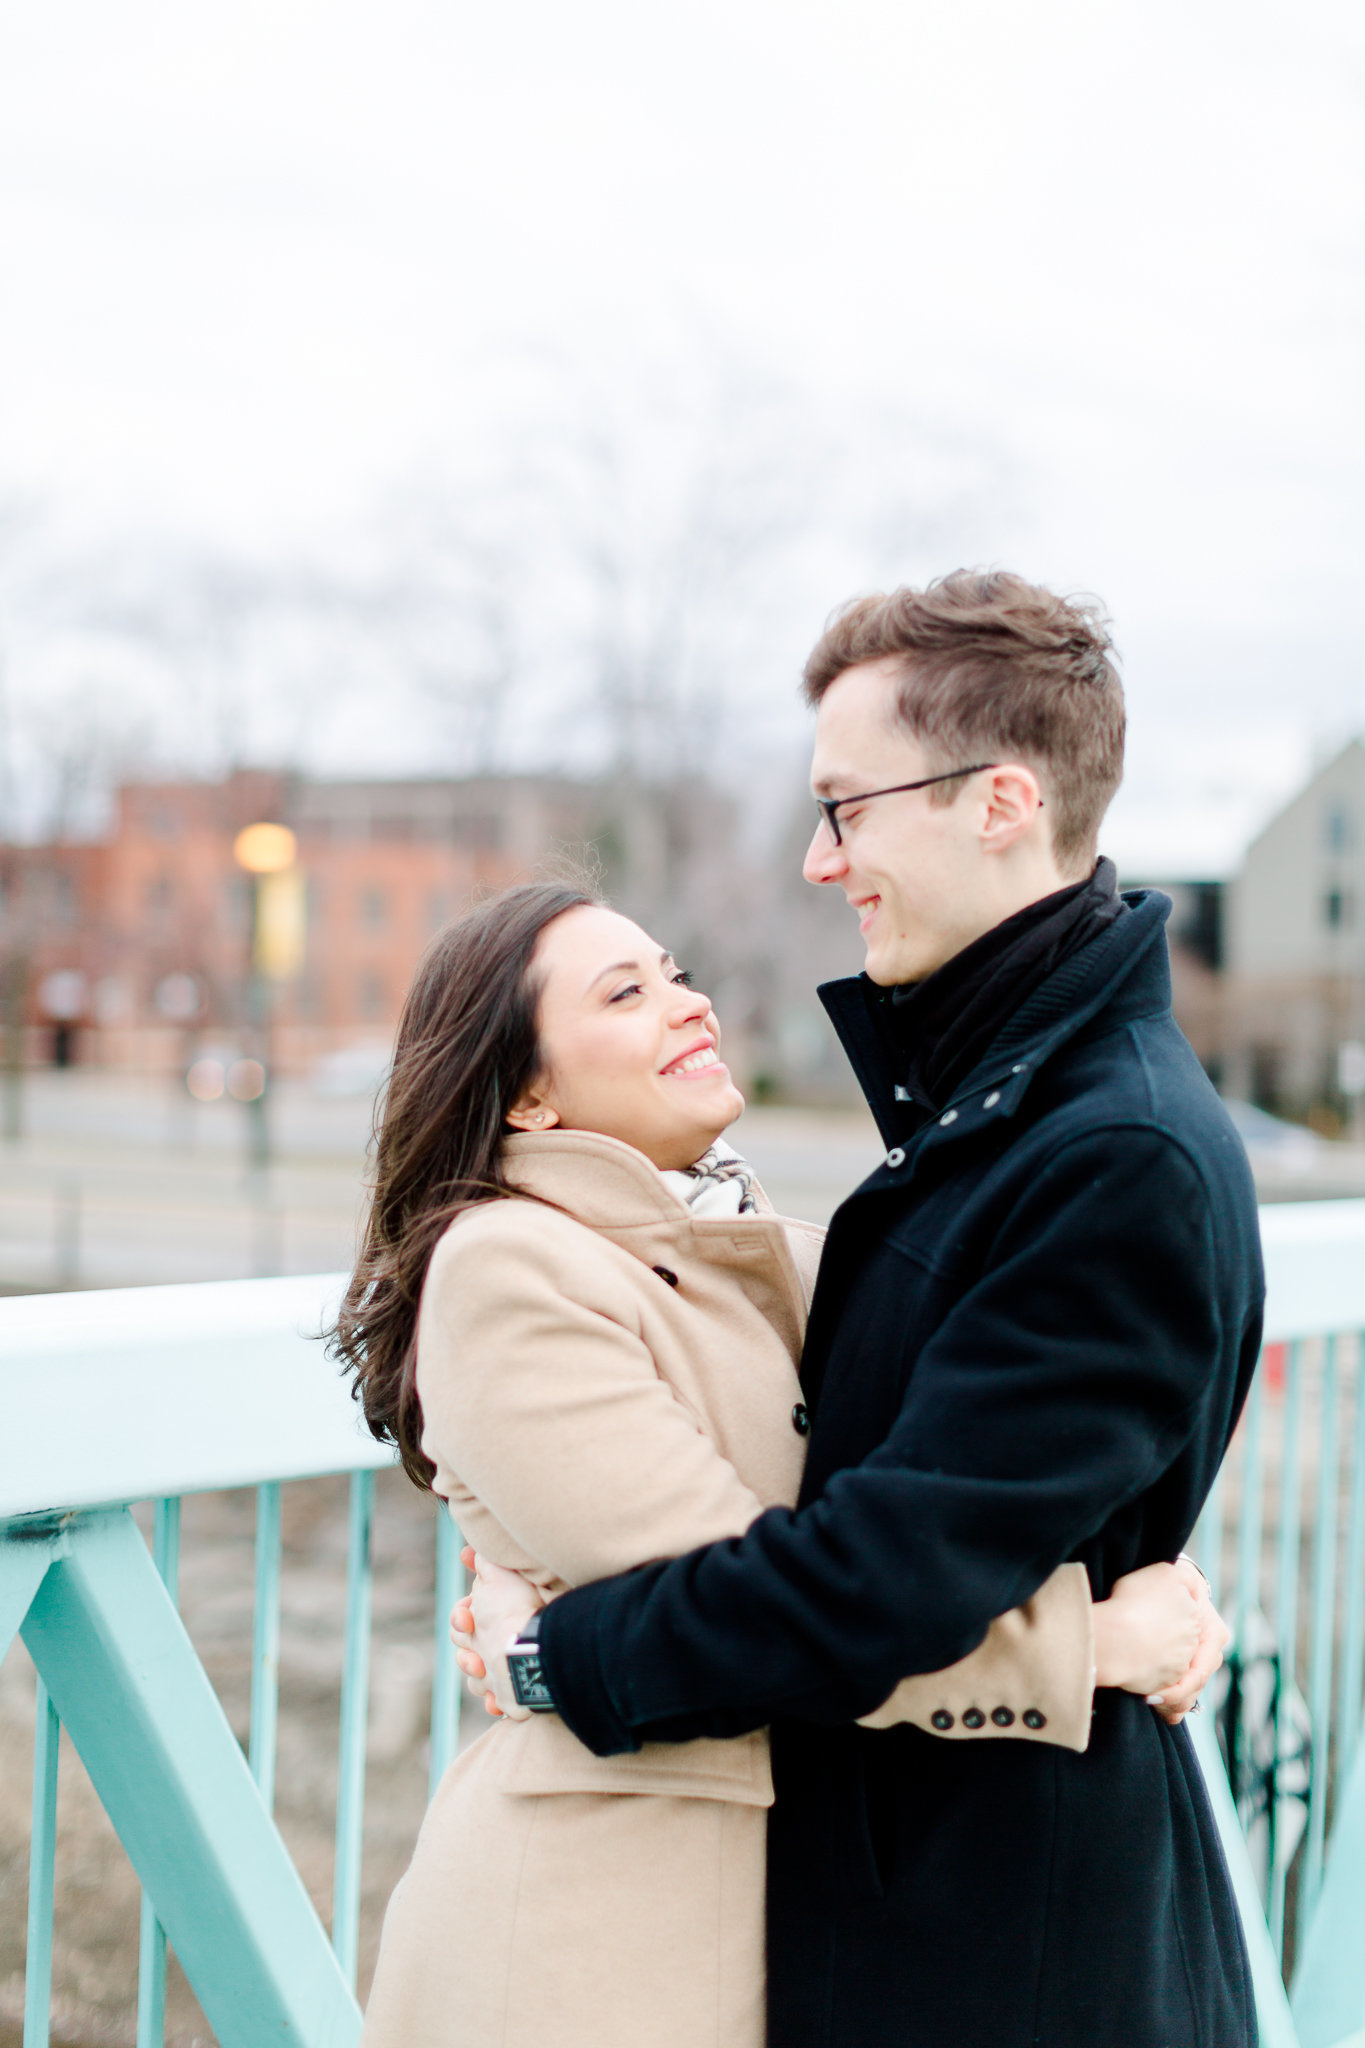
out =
column 973, row 1718
column 1003, row 1717
column 664, row 1274
column 1033, row 1719
column 801, row 1419
column 941, row 1718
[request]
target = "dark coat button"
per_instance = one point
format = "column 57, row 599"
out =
column 664, row 1274
column 973, row 1718
column 801, row 1419
column 1003, row 1717
column 1033, row 1719
column 941, row 1718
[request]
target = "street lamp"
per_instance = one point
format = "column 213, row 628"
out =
column 267, row 854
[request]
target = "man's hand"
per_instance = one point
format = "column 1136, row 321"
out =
column 483, row 1627
column 1175, row 1701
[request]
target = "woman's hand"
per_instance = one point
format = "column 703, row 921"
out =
column 1147, row 1633
column 1214, row 1636
column 484, row 1625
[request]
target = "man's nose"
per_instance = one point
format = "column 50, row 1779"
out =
column 824, row 862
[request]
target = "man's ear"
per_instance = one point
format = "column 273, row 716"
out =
column 531, row 1112
column 1013, row 801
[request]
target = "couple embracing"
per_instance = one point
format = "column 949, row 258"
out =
column 829, row 1587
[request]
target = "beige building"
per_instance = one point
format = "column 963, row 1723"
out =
column 1294, row 985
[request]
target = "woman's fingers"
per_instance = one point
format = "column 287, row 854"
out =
column 467, row 1557
column 471, row 1663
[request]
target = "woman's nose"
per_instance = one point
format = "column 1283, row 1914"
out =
column 824, row 862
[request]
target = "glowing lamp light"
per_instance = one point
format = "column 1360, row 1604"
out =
column 205, row 1080
column 246, row 1080
column 265, row 849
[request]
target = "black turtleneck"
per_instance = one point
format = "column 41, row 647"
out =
column 947, row 1023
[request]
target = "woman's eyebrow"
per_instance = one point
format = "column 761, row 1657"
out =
column 624, row 967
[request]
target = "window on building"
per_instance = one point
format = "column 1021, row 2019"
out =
column 479, row 832
column 440, row 910
column 64, row 904
column 374, row 1000
column 160, row 894
column 1338, row 829
column 1338, row 910
column 374, row 908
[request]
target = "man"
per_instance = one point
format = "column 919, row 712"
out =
column 1032, row 1334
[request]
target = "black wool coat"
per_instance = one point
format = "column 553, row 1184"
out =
column 1032, row 1333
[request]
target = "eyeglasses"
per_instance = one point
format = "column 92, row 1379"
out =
column 830, row 806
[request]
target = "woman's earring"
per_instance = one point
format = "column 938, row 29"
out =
column 540, row 1116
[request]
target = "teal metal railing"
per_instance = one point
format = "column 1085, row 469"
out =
column 1282, row 1540
column 98, row 1616
column 163, row 1389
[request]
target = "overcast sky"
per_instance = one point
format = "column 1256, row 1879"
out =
column 259, row 261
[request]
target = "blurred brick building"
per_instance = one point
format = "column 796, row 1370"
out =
column 131, row 951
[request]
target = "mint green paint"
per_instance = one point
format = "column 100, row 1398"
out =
column 42, row 1847
column 355, row 1693
column 123, row 1675
column 1286, row 1602
column 1324, row 1596
column 1329, row 1980
column 1353, row 1630
column 151, row 1947
column 265, row 1645
column 26, row 1551
column 1272, row 2006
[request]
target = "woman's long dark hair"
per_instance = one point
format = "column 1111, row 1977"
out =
column 467, row 1048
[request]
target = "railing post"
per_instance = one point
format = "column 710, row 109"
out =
column 41, row 1857
column 265, row 1644
column 151, row 1952
column 1353, row 1628
column 1324, row 1618
column 355, row 1686
column 1286, row 1621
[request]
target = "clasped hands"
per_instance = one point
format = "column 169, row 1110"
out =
column 1160, row 1601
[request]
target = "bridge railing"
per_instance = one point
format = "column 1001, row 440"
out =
column 1282, row 1540
column 152, row 1394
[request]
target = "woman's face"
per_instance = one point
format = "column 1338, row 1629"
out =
column 629, row 1049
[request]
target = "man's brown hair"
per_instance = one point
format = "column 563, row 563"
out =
column 995, row 669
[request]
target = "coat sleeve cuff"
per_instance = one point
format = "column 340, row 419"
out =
column 1032, row 1678
column 570, row 1660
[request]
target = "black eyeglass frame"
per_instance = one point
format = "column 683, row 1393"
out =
column 829, row 806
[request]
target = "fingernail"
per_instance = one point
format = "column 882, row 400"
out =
column 1156, row 1699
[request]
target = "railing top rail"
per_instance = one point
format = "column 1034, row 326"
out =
column 140, row 1392
column 1315, row 1267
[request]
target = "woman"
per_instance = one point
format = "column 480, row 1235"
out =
column 581, row 1326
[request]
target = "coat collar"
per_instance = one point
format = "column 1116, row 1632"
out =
column 1123, row 971
column 601, row 1181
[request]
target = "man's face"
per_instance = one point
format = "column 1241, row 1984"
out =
column 914, row 872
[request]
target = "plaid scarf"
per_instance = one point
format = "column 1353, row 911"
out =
column 720, row 1183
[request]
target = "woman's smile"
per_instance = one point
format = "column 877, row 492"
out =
column 701, row 1058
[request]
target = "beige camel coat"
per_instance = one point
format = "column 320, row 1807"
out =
column 607, row 1381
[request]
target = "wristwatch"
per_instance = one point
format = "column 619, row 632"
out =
column 529, row 1686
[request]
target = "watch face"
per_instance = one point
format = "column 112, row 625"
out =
column 528, row 1683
